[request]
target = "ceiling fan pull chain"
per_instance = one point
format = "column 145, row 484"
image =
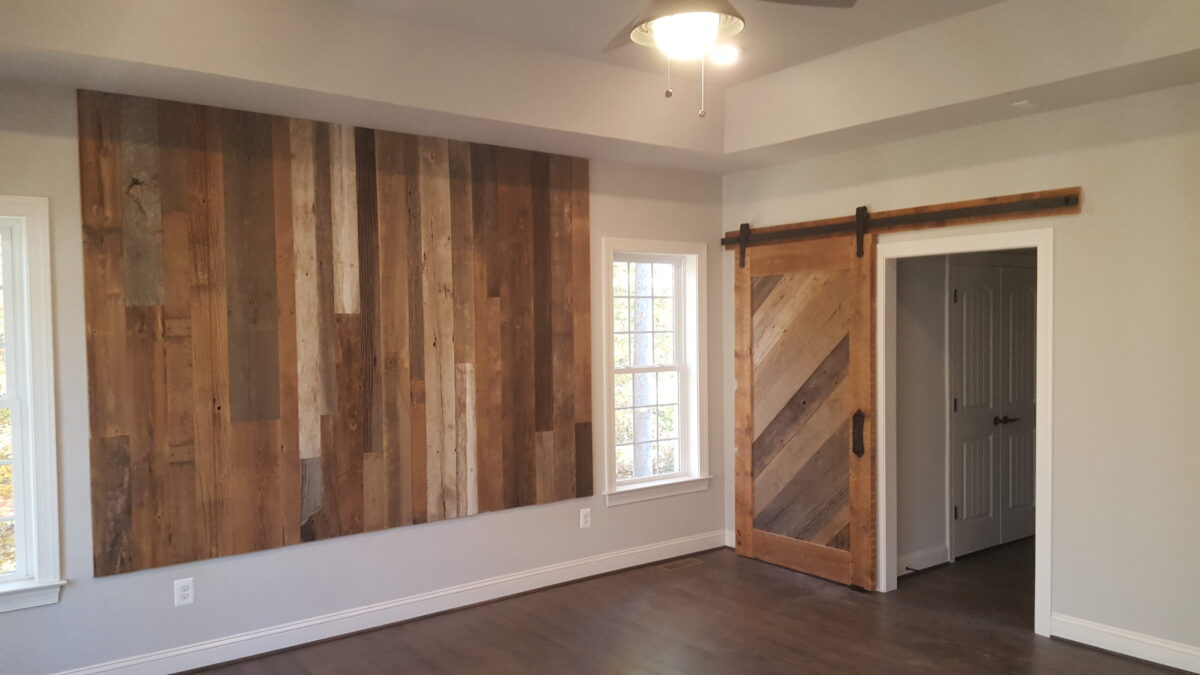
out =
column 703, row 112
column 669, row 93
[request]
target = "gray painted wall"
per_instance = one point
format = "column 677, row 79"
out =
column 98, row 620
column 920, row 406
column 1125, row 364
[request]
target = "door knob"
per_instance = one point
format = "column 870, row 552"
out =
column 997, row 421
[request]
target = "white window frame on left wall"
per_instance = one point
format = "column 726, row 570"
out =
column 25, row 226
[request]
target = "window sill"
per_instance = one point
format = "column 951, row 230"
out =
column 23, row 594
column 657, row 490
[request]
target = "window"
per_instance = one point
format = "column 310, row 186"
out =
column 653, row 369
column 28, row 480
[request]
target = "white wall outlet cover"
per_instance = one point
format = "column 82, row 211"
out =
column 585, row 518
column 185, row 591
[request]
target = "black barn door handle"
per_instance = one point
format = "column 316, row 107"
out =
column 997, row 421
column 859, row 418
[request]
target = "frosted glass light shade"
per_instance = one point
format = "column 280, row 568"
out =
column 686, row 37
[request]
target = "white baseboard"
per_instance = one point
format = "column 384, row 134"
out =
column 316, row 628
column 730, row 538
column 919, row 560
column 1113, row 639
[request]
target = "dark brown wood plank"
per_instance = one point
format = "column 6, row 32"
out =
column 323, row 213
column 112, row 503
column 250, row 276
column 394, row 339
column 462, row 261
column 514, row 171
column 487, row 247
column 708, row 612
column 582, row 287
column 562, row 324
column 543, row 309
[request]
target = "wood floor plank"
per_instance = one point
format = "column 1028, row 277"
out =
column 725, row 614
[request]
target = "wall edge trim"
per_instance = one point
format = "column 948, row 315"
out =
column 294, row 633
column 919, row 560
column 1127, row 642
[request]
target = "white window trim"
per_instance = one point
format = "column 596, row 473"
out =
column 694, row 441
column 41, row 581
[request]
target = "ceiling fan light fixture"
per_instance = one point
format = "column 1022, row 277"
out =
column 685, row 30
column 724, row 55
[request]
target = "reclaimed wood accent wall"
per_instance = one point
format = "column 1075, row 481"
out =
column 300, row 330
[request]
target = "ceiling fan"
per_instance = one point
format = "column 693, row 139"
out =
column 685, row 26
column 689, row 30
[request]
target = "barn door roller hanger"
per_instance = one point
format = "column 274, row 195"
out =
column 1028, row 205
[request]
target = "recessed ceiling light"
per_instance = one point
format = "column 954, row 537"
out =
column 724, row 55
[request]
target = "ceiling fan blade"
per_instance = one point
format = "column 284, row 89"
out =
column 622, row 37
column 817, row 3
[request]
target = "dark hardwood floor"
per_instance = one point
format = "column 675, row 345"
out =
column 718, row 613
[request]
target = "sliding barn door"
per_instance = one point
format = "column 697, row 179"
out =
column 805, row 419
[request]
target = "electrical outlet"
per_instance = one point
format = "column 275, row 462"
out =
column 585, row 518
column 185, row 591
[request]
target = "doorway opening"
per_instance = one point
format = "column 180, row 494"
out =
column 964, row 393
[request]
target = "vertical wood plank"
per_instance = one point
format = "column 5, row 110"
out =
column 147, row 443
column 343, row 196
column 743, row 416
column 488, row 245
column 142, row 201
column 442, row 463
column 514, row 171
column 104, row 267
column 416, row 329
column 182, row 183
column 465, row 411
column 862, row 469
column 250, row 276
column 581, row 288
column 325, row 265
column 462, row 263
column 543, row 348
column 562, row 300
column 302, row 143
column 394, row 260
column 112, row 545
column 287, row 446
column 376, row 471
column 210, row 352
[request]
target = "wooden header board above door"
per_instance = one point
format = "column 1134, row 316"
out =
column 300, row 330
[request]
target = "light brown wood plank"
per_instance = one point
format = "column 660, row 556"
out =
column 287, row 445
column 309, row 352
column 343, row 196
column 104, row 266
column 148, row 459
column 466, row 447
column 442, row 463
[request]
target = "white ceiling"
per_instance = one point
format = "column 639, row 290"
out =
column 777, row 36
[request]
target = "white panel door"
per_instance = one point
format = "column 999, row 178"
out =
column 1018, row 403
column 975, row 349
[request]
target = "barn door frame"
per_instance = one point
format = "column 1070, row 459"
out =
column 949, row 241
